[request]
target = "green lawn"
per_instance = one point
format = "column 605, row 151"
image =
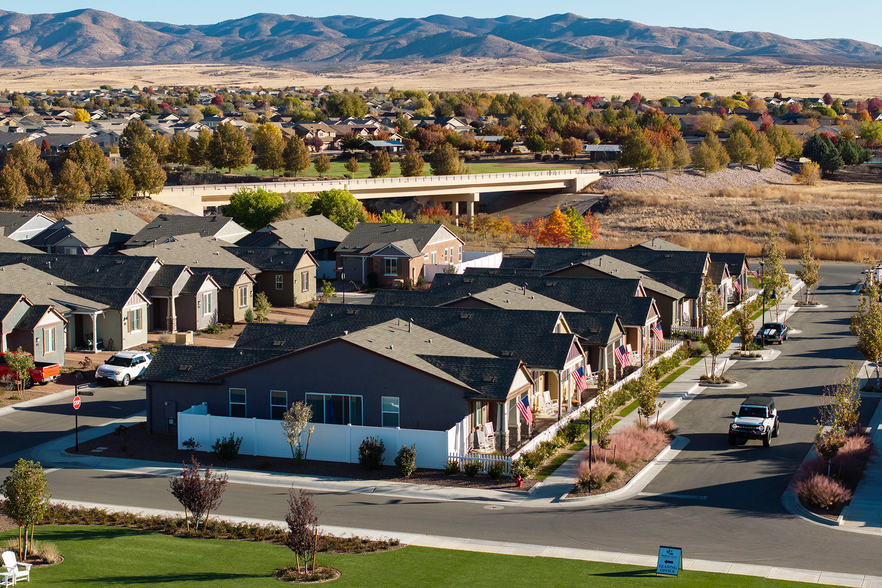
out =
column 108, row 556
column 364, row 170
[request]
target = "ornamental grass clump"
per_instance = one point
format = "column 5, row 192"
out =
column 822, row 492
column 597, row 475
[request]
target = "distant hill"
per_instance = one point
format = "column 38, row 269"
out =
column 92, row 38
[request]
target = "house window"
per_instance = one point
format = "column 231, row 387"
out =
column 280, row 281
column 237, row 403
column 243, row 296
column 304, row 281
column 434, row 257
column 390, row 411
column 391, row 264
column 134, row 320
column 460, row 253
column 71, row 250
column 445, row 255
column 49, row 340
column 335, row 409
column 278, row 404
column 206, row 303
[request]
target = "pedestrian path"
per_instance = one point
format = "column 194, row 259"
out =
column 529, row 550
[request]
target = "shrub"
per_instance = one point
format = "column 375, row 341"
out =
column 370, row 453
column 573, row 431
column 496, row 469
column 600, row 473
column 227, row 448
column 405, row 461
column 822, row 492
column 373, row 281
column 249, row 316
column 531, row 459
column 520, row 468
column 698, row 348
column 635, row 444
column 471, row 468
column 451, row 466
column 212, row 329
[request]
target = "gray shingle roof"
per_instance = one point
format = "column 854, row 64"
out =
column 8, row 245
column 166, row 226
column 201, row 253
column 99, row 271
column 310, row 233
column 42, row 288
column 33, row 316
column 368, row 238
column 271, row 258
column 93, row 230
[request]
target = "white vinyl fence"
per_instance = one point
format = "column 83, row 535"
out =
column 328, row 442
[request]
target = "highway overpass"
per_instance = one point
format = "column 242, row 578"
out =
column 427, row 190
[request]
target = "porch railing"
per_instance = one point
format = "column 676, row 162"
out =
column 688, row 332
column 663, row 346
column 485, row 460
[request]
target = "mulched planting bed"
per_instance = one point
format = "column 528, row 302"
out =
column 139, row 444
column 320, row 575
column 619, row 482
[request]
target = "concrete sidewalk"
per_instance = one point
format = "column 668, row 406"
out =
column 528, row 550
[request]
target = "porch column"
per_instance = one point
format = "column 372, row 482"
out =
column 94, row 332
column 560, row 398
column 503, row 428
column 171, row 319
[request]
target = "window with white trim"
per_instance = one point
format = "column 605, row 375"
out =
column 336, row 409
column 49, row 340
column 206, row 303
column 304, row 281
column 134, row 320
column 445, row 255
column 278, row 404
column 460, row 253
column 280, row 281
column 391, row 266
column 243, row 296
column 391, row 416
column 434, row 257
column 237, row 403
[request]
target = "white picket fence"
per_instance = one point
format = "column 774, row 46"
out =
column 338, row 443
column 688, row 332
column 485, row 460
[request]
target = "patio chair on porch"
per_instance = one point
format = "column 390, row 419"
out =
column 633, row 357
column 481, row 443
column 548, row 406
column 490, row 435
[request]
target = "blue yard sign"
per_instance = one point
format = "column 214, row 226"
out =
column 670, row 560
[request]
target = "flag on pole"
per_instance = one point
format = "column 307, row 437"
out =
column 737, row 286
column 579, row 379
column 656, row 330
column 621, row 354
column 524, row 409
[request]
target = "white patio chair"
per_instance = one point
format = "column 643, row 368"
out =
column 18, row 570
column 549, row 406
column 481, row 441
column 6, row 578
column 490, row 435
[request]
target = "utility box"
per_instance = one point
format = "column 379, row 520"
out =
column 184, row 338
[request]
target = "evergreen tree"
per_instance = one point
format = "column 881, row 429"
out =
column 380, row 164
column 295, row 156
column 412, row 164
column 352, row 166
column 445, row 161
column 72, row 188
column 830, row 160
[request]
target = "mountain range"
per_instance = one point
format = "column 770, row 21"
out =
column 95, row 38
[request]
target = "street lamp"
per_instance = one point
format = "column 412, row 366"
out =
column 763, row 286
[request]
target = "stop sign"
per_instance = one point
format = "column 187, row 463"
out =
column 76, row 403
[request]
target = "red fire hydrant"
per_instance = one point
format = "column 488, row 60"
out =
column 519, row 480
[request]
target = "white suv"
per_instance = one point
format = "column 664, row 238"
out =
column 123, row 367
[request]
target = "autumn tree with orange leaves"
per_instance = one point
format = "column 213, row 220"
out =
column 556, row 231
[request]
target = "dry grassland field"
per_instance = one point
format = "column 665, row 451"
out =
column 654, row 78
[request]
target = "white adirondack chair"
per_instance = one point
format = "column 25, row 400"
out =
column 549, row 406
column 18, row 570
column 490, row 435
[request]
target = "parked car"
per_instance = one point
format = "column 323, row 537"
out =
column 123, row 367
column 41, row 373
column 772, row 332
column 757, row 418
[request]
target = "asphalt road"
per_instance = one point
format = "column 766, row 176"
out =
column 717, row 502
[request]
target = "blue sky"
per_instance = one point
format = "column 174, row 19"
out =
column 809, row 19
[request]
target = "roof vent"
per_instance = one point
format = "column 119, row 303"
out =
column 278, row 343
column 185, row 368
column 507, row 353
column 351, row 311
column 287, row 252
column 595, row 331
column 468, row 280
column 251, row 251
column 549, row 284
column 465, row 317
column 119, row 262
column 488, row 379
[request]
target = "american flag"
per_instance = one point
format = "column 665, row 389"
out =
column 524, row 409
column 621, row 354
column 756, row 274
column 737, row 286
column 657, row 331
column 579, row 379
